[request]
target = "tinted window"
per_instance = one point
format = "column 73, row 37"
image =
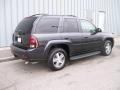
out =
column 26, row 24
column 87, row 26
column 47, row 24
column 70, row 25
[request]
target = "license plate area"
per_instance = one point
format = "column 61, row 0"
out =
column 19, row 40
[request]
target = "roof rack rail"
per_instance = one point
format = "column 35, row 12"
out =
column 71, row 15
column 51, row 15
column 39, row 14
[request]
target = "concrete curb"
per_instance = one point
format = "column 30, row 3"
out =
column 4, row 48
column 7, row 59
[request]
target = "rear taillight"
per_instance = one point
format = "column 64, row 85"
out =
column 33, row 42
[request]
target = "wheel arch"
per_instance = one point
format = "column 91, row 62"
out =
column 57, row 44
column 63, row 46
column 111, row 39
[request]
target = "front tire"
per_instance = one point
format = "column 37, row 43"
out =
column 107, row 48
column 57, row 59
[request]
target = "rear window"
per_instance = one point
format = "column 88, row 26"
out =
column 26, row 24
column 47, row 24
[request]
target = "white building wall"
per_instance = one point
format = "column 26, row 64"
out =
column 12, row 11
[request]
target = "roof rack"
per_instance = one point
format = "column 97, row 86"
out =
column 39, row 14
column 71, row 15
column 52, row 15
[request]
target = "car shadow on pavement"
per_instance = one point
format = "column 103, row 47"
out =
column 30, row 68
column 96, row 59
column 88, row 60
column 42, row 66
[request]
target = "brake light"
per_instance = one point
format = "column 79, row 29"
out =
column 33, row 42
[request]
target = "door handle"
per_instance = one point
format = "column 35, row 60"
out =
column 55, row 26
column 85, row 37
column 66, row 38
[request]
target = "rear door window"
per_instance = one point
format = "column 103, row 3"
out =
column 47, row 24
column 70, row 25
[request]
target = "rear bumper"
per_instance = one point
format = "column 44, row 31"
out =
column 29, row 54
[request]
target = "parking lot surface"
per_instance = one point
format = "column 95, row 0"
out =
column 92, row 73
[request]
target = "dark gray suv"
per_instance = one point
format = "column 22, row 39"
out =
column 58, row 38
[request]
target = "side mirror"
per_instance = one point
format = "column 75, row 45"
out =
column 98, row 30
column 95, row 31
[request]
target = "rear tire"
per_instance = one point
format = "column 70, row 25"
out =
column 57, row 59
column 107, row 48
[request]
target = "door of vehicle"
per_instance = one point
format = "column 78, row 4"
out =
column 90, row 41
column 71, row 32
